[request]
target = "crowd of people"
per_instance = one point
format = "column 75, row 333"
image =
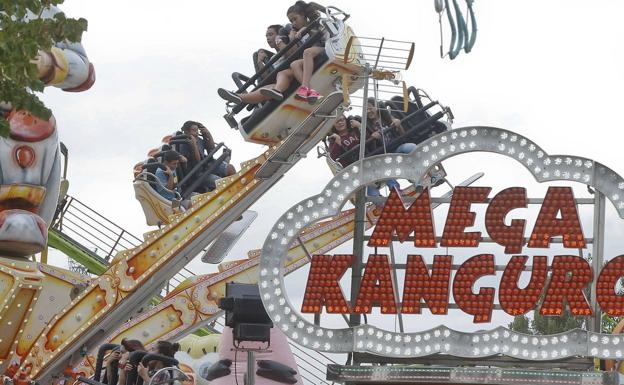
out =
column 301, row 15
column 187, row 156
column 116, row 364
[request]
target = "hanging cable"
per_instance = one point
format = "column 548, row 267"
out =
column 473, row 24
column 451, row 25
column 461, row 30
column 461, row 37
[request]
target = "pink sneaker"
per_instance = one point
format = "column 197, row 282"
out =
column 313, row 96
column 302, row 93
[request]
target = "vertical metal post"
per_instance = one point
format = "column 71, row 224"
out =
column 394, row 287
column 360, row 216
column 597, row 257
column 251, row 368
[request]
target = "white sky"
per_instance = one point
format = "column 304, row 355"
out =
column 552, row 71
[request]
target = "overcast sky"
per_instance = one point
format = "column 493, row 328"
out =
column 552, row 71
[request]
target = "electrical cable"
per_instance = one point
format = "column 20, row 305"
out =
column 235, row 371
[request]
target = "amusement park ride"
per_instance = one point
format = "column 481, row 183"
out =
column 57, row 325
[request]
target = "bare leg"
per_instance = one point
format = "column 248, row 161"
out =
column 255, row 97
column 231, row 170
column 308, row 64
column 297, row 69
column 284, row 78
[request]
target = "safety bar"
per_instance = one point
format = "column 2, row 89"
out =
column 371, row 140
column 88, row 381
column 403, row 138
column 134, row 358
column 210, row 170
column 99, row 362
column 202, row 163
column 308, row 43
column 278, row 55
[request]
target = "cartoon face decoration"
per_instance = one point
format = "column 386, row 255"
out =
column 29, row 183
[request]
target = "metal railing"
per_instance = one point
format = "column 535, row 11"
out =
column 98, row 234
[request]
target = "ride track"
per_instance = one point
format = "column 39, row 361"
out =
column 136, row 274
column 194, row 303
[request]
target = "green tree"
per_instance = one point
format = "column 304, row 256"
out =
column 546, row 325
column 21, row 38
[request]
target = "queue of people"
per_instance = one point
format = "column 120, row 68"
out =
column 301, row 15
column 117, row 362
column 187, row 158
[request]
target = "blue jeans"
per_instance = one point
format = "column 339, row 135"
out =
column 373, row 191
column 406, row 148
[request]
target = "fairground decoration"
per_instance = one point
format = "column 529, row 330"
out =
column 570, row 275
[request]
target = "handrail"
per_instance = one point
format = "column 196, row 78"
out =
column 92, row 231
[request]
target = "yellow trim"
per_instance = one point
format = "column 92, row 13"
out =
column 348, row 49
column 345, row 89
column 61, row 66
column 405, row 98
column 44, row 255
column 410, row 57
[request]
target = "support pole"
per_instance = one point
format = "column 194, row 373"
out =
column 251, row 368
column 360, row 217
column 595, row 322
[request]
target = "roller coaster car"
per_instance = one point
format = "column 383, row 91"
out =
column 419, row 122
column 158, row 209
column 272, row 121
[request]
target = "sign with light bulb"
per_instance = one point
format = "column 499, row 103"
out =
column 552, row 285
column 570, row 275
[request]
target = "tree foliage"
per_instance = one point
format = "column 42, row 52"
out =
column 541, row 325
column 21, row 38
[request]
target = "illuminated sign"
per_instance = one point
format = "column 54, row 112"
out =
column 558, row 216
column 432, row 286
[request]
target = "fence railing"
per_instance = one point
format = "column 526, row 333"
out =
column 98, row 234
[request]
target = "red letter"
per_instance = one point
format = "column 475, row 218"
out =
column 434, row 288
column 516, row 301
column 394, row 217
column 610, row 302
column 509, row 236
column 558, row 199
column 323, row 288
column 480, row 305
column 459, row 217
column 377, row 287
column 570, row 275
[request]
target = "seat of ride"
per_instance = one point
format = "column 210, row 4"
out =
column 419, row 122
column 156, row 208
column 273, row 120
